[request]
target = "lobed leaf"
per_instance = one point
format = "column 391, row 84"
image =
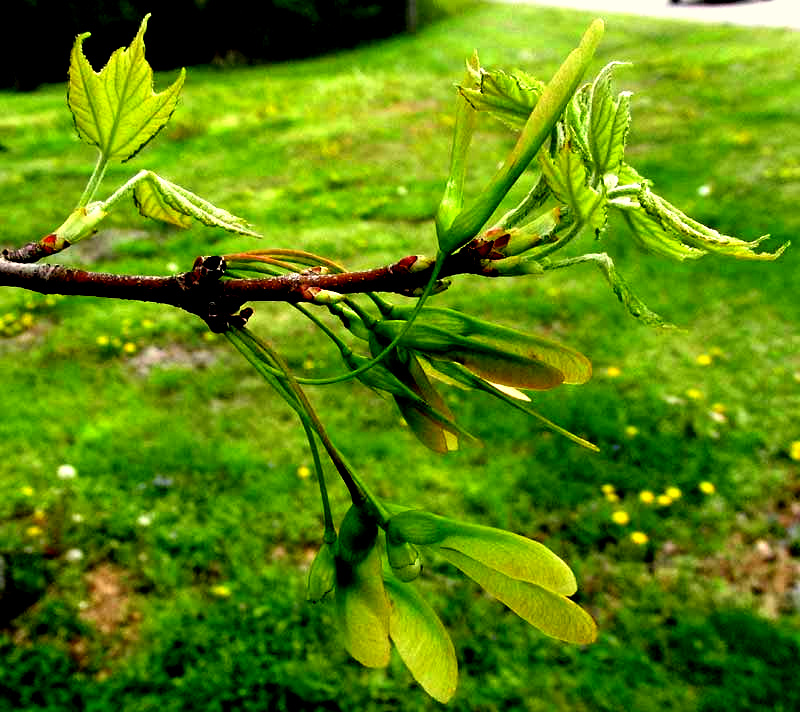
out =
column 422, row 641
column 567, row 178
column 553, row 614
column 117, row 109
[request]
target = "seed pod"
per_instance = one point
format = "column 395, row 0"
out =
column 404, row 559
column 322, row 575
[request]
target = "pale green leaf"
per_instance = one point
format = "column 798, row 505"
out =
column 160, row 199
column 609, row 121
column 697, row 235
column 568, row 180
column 553, row 614
column 362, row 610
column 648, row 234
column 512, row 555
column 422, row 641
column 506, row 97
column 117, row 109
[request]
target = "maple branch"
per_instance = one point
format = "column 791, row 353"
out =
column 217, row 301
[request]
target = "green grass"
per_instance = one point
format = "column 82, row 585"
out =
column 187, row 465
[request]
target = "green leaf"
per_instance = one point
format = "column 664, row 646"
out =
column 552, row 613
column 551, row 104
column 508, row 98
column 567, row 178
column 510, row 554
column 422, row 641
column 650, row 236
column 117, row 109
column 362, row 610
column 158, row 198
column 609, row 121
column 695, row 234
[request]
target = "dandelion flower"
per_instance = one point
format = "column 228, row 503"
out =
column 613, row 371
column 631, row 431
column 607, row 488
column 26, row 491
column 794, row 450
column 102, row 340
column 673, row 493
column 647, row 497
column 66, row 472
column 639, row 538
column 303, row 472
column 221, row 591
column 33, row 531
column 612, row 497
column 707, row 487
column 39, row 516
column 129, row 347
column 620, row 517
column 703, row 360
column 694, row 394
column 664, row 500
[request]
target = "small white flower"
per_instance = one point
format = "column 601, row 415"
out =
column 66, row 472
column 144, row 520
column 77, row 518
column 704, row 190
column 83, row 605
column 73, row 555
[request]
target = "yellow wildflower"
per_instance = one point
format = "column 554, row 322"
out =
column 607, row 488
column 221, row 591
column 129, row 347
column 613, row 371
column 620, row 517
column 33, row 531
column 794, row 450
column 639, row 538
column 703, row 360
column 631, row 431
column 647, row 497
column 694, row 394
column 673, row 493
column 707, row 487
column 26, row 491
column 303, row 472
column 664, row 500
column 612, row 497
column 39, row 516
column 102, row 340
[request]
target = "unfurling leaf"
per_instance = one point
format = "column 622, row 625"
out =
column 648, row 234
column 567, row 178
column 117, row 109
column 510, row 554
column 506, row 97
column 422, row 641
column 158, row 198
column 608, row 123
column 695, row 234
column 550, row 612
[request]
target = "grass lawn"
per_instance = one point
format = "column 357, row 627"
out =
column 169, row 574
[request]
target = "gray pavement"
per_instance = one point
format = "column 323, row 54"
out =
column 764, row 13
